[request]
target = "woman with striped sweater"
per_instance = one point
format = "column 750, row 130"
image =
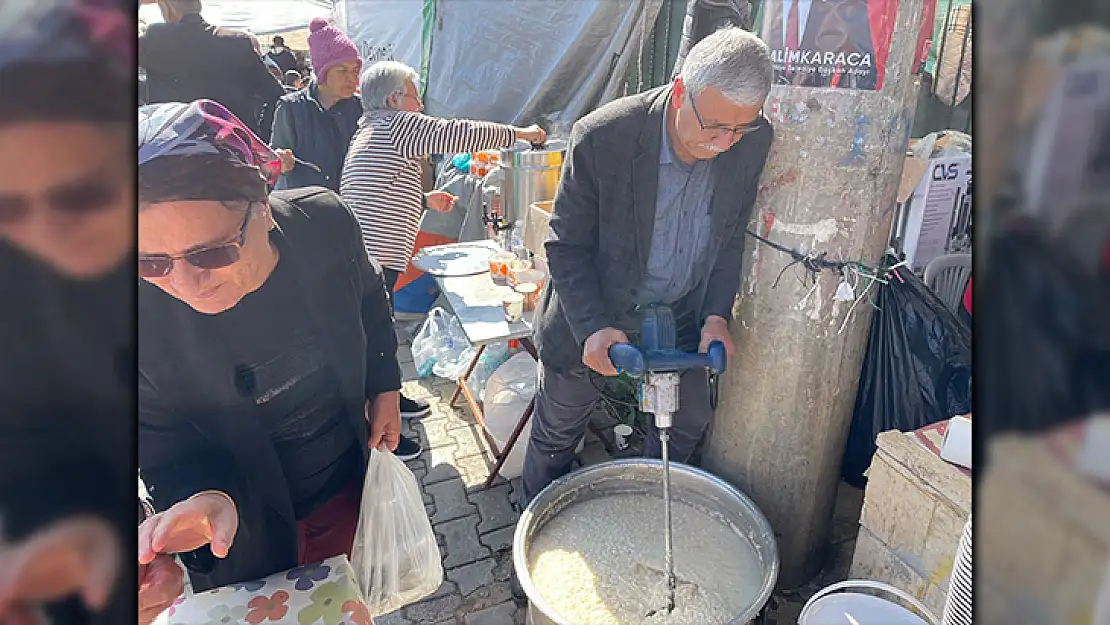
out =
column 381, row 178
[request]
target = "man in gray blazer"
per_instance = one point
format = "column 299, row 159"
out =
column 655, row 195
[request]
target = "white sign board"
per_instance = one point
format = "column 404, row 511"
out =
column 384, row 30
column 932, row 206
column 1064, row 142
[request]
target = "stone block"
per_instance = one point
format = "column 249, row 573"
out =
column 494, row 508
column 435, row 433
column 450, row 500
column 897, row 511
column 432, row 610
column 943, row 540
column 441, row 464
column 875, row 561
column 500, row 614
column 499, row 539
column 393, row 618
column 471, row 577
column 470, row 442
column 461, row 542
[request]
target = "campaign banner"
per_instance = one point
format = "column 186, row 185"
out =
column 829, row 43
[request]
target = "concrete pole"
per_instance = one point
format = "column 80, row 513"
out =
column 829, row 185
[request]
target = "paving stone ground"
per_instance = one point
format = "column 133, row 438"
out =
column 474, row 526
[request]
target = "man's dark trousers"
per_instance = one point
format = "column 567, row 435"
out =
column 566, row 400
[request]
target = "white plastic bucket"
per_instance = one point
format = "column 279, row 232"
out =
column 853, row 608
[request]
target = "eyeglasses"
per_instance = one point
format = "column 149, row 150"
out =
column 73, row 200
column 218, row 257
column 739, row 131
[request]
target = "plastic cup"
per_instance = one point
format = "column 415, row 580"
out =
column 529, row 276
column 530, row 291
column 513, row 303
column 499, row 265
column 516, row 269
column 621, row 433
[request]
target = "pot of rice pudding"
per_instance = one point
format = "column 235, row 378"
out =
column 588, row 550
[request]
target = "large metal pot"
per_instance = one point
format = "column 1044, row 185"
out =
column 688, row 485
column 529, row 174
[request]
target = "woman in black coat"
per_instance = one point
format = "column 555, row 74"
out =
column 67, row 381
column 267, row 357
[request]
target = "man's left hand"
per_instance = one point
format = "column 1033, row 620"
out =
column 441, row 201
column 716, row 329
column 384, row 413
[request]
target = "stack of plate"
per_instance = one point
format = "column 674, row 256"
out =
column 957, row 610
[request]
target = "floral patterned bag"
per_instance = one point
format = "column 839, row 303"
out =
column 324, row 593
column 395, row 555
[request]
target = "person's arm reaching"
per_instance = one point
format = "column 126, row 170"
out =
column 416, row 134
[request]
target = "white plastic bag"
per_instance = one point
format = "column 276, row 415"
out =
column 426, row 342
column 455, row 351
column 395, row 555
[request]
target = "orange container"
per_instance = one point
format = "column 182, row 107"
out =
column 499, row 266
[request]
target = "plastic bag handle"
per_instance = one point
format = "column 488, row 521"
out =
column 871, row 585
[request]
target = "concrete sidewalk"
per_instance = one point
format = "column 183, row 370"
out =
column 475, row 526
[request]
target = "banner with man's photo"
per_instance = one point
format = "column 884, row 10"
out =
column 828, row 43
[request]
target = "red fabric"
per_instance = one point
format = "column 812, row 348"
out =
column 423, row 240
column 330, row 530
column 967, row 297
column 881, row 14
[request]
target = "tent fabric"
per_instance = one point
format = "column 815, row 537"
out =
column 274, row 17
column 526, row 61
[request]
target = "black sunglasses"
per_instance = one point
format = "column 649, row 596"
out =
column 739, row 131
column 218, row 257
column 73, row 200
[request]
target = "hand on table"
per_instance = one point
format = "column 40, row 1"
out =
column 716, row 329
column 595, row 353
column 384, row 414
column 441, row 201
column 80, row 555
column 208, row 518
column 288, row 161
column 160, row 584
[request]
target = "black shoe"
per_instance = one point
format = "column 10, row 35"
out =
column 516, row 589
column 408, row 449
column 414, row 408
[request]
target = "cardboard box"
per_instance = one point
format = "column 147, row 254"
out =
column 928, row 194
column 318, row 594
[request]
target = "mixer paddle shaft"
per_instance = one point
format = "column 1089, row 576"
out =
column 668, row 548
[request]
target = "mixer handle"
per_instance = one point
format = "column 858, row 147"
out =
column 629, row 359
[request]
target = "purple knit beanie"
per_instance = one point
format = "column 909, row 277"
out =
column 327, row 46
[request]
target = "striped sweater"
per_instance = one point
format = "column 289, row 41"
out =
column 381, row 177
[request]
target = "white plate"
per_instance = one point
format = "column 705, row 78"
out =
column 458, row 259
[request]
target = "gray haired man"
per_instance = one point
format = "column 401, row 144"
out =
column 655, row 196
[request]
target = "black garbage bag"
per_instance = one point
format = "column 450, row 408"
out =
column 917, row 369
column 1044, row 356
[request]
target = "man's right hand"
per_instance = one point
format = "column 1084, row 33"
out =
column 595, row 354
column 288, row 161
column 532, row 134
column 160, row 584
column 209, row 518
